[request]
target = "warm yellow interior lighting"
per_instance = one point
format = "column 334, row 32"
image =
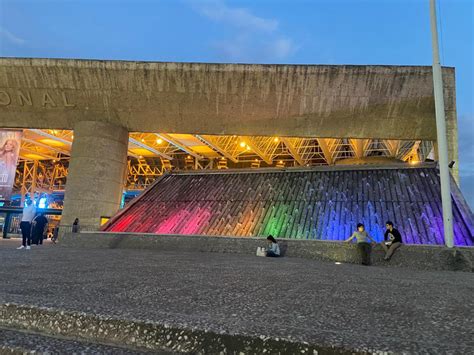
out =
column 51, row 142
column 243, row 144
column 33, row 156
column 141, row 152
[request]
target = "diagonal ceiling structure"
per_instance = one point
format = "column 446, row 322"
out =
column 295, row 151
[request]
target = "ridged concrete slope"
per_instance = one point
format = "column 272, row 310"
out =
column 313, row 204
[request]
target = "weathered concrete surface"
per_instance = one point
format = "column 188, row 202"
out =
column 409, row 256
column 96, row 172
column 288, row 100
column 228, row 302
column 25, row 342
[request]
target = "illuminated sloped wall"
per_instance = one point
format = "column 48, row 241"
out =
column 314, row 204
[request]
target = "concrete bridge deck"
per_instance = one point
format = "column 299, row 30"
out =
column 212, row 302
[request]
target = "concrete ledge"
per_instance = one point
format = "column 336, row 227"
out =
column 149, row 335
column 419, row 257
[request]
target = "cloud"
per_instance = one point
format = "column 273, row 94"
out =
column 281, row 48
column 255, row 39
column 239, row 17
column 10, row 37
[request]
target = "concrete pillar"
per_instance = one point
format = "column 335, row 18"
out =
column 96, row 173
column 451, row 121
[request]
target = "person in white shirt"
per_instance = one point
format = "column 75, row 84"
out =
column 273, row 249
column 29, row 212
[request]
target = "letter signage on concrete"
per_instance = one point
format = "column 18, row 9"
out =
column 9, row 151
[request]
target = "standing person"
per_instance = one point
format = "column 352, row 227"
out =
column 55, row 234
column 363, row 243
column 392, row 240
column 29, row 212
column 40, row 226
column 75, row 226
column 273, row 250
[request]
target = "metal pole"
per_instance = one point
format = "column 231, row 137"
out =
column 441, row 133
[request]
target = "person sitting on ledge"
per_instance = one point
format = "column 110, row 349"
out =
column 392, row 240
column 273, row 249
column 363, row 244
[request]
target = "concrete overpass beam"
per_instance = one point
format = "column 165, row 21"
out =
column 96, row 172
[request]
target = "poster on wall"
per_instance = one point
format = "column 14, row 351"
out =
column 9, row 151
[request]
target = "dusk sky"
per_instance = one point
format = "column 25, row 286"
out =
column 294, row 32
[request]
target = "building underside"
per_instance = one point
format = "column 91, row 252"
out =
column 45, row 154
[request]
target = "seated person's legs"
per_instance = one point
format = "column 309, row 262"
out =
column 364, row 251
column 271, row 254
column 392, row 249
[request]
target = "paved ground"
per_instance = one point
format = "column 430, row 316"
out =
column 352, row 306
column 25, row 342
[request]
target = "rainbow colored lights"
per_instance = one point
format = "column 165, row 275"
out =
column 324, row 204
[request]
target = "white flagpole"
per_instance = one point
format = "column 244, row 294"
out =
column 441, row 133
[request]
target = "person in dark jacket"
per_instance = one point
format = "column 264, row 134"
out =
column 40, row 226
column 392, row 240
column 75, row 226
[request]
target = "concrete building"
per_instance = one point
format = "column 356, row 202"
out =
column 101, row 102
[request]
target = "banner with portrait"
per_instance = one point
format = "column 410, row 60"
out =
column 9, row 152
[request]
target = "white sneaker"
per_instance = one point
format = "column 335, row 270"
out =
column 28, row 247
column 21, row 247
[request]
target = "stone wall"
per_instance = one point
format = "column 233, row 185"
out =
column 410, row 256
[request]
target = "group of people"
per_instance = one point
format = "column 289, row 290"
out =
column 392, row 241
column 34, row 226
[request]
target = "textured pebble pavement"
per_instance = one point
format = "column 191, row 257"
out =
column 20, row 342
column 345, row 306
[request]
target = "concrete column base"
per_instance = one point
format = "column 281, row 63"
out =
column 96, row 173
